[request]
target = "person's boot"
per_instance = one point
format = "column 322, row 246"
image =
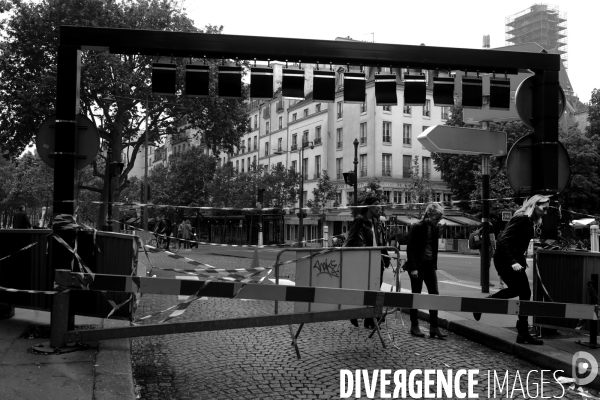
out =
column 524, row 337
column 435, row 332
column 477, row 315
column 354, row 322
column 369, row 323
column 415, row 331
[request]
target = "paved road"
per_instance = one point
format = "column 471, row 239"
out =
column 260, row 363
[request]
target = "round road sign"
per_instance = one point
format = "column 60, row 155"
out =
column 89, row 141
column 524, row 101
column 519, row 166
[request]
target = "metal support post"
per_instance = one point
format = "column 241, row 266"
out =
column 301, row 212
column 146, row 191
column 325, row 235
column 485, row 218
column 108, row 226
column 594, row 239
column 59, row 320
column 260, row 224
column 355, row 172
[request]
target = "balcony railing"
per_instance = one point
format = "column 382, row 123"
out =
column 294, row 147
column 363, row 140
column 406, row 109
column 386, row 171
column 339, row 145
column 317, row 140
column 407, row 173
column 387, row 139
column 426, row 113
column 363, row 171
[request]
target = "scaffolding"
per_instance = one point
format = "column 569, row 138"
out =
column 543, row 24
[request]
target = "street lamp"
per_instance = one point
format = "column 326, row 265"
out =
column 355, row 172
column 301, row 213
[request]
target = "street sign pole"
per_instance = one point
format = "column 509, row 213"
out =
column 485, row 217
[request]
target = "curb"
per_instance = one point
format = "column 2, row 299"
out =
column 504, row 340
column 113, row 373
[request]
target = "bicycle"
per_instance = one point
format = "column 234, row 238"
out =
column 159, row 242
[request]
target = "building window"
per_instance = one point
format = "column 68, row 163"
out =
column 305, row 112
column 294, row 141
column 406, row 166
column 242, row 166
column 279, row 142
column 318, row 135
column 339, row 137
column 363, row 165
column 305, row 168
column 304, row 138
column 248, row 163
column 387, row 132
column 255, row 143
column 363, row 133
column 266, row 148
column 338, row 198
column 253, row 163
column 397, row 197
column 427, row 108
column 447, row 197
column 406, row 109
column 407, row 134
column 294, row 162
column 438, row 197
column 317, row 167
column 237, row 165
column 363, row 107
column 426, row 166
column 387, row 194
column 340, row 109
column 338, row 168
column 387, row 108
column 386, row 165
column 280, row 122
column 249, row 146
column 256, row 122
column 293, row 116
column 445, row 112
column 268, row 127
column 407, row 198
column 424, row 129
column 318, row 107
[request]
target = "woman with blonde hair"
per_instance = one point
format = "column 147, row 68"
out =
column 510, row 261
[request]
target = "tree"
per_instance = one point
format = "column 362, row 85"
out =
column 582, row 193
column 419, row 189
column 28, row 84
column 373, row 188
column 282, row 186
column 593, row 129
column 221, row 190
column 323, row 193
column 190, row 171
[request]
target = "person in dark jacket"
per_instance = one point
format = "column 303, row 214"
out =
column 367, row 231
column 510, row 260
column 20, row 219
column 421, row 264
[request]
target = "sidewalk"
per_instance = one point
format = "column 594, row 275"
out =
column 498, row 331
column 100, row 373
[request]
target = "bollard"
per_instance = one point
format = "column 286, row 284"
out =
column 325, row 236
column 59, row 320
column 594, row 238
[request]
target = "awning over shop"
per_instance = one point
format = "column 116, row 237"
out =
column 462, row 220
column 305, row 221
column 406, row 219
column 343, row 216
column 447, row 222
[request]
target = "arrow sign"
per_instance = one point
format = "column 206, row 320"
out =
column 456, row 140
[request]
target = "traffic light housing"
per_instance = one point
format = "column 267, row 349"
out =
column 350, row 178
column 115, row 168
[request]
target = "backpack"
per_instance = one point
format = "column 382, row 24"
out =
column 475, row 240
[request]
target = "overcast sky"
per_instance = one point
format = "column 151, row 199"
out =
column 458, row 23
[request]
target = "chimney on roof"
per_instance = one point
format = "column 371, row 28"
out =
column 486, row 41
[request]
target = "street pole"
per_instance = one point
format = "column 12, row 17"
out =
column 485, row 217
column 355, row 172
column 145, row 199
column 301, row 213
column 108, row 225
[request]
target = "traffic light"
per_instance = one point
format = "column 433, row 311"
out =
column 350, row 178
column 115, row 168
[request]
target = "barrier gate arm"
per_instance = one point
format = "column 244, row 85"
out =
column 367, row 298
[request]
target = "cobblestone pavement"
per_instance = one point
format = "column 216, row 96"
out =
column 261, row 363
